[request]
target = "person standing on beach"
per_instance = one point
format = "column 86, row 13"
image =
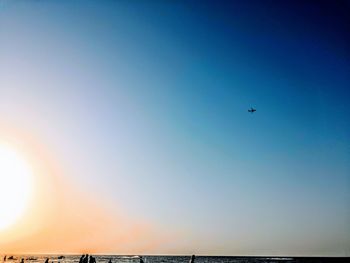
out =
column 4, row 258
column 192, row 258
column 141, row 259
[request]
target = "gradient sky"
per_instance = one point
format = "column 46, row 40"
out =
column 143, row 105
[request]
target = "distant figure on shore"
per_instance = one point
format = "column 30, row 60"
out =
column 141, row 260
column 81, row 259
column 86, row 259
column 4, row 258
column 22, row 260
column 92, row 260
column 110, row 261
column 193, row 257
column 47, row 260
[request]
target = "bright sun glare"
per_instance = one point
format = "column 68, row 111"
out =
column 15, row 186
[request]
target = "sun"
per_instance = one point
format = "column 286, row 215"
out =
column 16, row 185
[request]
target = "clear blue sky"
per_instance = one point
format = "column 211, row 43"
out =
column 146, row 103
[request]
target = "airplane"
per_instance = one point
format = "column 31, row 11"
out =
column 251, row 110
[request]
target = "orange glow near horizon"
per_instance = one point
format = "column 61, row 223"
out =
column 62, row 218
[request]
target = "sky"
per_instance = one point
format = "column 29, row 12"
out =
column 141, row 108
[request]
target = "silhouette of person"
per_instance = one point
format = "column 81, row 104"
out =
column 86, row 258
column 141, row 260
column 110, row 261
column 47, row 260
column 193, row 257
column 22, row 260
column 92, row 260
column 5, row 258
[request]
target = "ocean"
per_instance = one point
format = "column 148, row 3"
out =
column 169, row 259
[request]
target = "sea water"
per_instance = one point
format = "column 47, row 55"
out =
column 167, row 259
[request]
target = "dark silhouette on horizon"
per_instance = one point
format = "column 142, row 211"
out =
column 193, row 257
column 86, row 259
